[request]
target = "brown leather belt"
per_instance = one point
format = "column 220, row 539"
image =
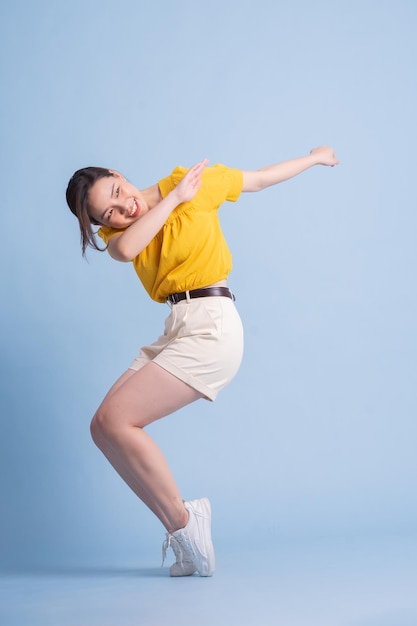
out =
column 224, row 292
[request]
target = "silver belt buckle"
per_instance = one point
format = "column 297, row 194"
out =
column 172, row 299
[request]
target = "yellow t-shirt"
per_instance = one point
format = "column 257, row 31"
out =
column 190, row 250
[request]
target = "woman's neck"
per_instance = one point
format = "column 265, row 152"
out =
column 152, row 195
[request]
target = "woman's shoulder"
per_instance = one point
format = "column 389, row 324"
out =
column 107, row 232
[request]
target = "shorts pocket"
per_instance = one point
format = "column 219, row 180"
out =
column 204, row 317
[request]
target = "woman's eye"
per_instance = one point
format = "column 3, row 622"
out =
column 117, row 191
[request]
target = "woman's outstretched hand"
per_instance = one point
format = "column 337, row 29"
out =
column 324, row 156
column 191, row 183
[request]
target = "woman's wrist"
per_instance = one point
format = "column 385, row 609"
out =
column 174, row 198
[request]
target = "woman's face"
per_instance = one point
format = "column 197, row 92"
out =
column 115, row 202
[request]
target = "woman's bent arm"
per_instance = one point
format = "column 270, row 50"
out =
column 128, row 244
column 278, row 173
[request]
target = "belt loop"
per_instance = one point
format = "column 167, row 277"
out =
column 187, row 296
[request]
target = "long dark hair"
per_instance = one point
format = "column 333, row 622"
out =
column 77, row 200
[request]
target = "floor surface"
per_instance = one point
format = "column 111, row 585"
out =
column 355, row 582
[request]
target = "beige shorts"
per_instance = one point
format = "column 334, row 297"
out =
column 202, row 344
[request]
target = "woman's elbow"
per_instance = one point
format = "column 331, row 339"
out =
column 121, row 252
column 253, row 181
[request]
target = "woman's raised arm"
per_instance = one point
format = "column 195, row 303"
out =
column 273, row 174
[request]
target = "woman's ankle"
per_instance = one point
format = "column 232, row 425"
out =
column 182, row 522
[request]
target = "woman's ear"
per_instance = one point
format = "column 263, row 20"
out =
column 117, row 174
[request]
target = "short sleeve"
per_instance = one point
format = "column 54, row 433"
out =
column 233, row 180
column 106, row 233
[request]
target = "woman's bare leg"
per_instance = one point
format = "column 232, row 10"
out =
column 136, row 400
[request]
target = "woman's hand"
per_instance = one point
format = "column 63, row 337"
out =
column 324, row 156
column 191, row 183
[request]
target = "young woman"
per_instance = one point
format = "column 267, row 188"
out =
column 171, row 233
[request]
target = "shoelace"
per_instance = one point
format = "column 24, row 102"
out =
column 171, row 542
column 165, row 546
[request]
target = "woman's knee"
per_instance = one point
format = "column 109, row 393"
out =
column 102, row 425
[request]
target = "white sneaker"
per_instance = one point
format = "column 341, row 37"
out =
column 183, row 565
column 195, row 539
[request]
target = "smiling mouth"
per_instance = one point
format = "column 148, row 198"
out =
column 134, row 210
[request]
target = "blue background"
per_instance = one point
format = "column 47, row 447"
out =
column 316, row 435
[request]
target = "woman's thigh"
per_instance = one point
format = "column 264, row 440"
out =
column 141, row 397
column 119, row 382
